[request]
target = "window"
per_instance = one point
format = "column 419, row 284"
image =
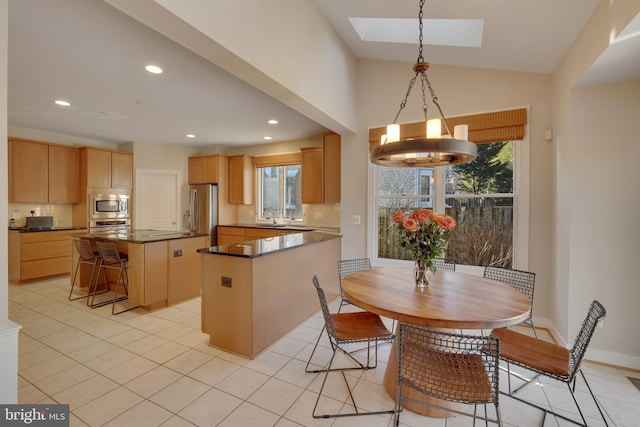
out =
column 480, row 195
column 279, row 192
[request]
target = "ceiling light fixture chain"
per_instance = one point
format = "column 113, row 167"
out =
column 436, row 148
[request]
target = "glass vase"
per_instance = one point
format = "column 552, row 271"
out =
column 421, row 273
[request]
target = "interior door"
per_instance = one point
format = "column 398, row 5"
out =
column 156, row 200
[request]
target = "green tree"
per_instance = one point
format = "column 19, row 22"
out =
column 490, row 172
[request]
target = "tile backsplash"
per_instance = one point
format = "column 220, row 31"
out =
column 327, row 215
column 62, row 214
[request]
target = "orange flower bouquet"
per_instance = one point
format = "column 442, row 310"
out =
column 425, row 234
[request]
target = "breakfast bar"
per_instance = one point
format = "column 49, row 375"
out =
column 255, row 292
column 163, row 266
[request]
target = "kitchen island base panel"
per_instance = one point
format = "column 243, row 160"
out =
column 250, row 303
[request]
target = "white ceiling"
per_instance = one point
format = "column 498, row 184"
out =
column 93, row 55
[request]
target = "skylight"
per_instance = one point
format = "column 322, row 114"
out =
column 444, row 32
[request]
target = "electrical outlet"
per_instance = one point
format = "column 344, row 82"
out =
column 355, row 219
column 226, row 282
column 317, row 215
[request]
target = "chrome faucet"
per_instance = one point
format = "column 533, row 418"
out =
column 269, row 214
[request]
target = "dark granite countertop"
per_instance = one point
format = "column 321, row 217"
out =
column 270, row 245
column 37, row 230
column 139, row 236
column 293, row 227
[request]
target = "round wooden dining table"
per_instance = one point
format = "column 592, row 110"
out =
column 452, row 300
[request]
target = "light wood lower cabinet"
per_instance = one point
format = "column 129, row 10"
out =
column 228, row 235
column 249, row 303
column 161, row 273
column 39, row 254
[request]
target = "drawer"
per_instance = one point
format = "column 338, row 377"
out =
column 45, row 236
column 260, row 232
column 224, row 239
column 44, row 250
column 231, row 231
column 45, row 267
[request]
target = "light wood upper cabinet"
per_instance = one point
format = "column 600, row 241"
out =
column 204, row 169
column 43, row 173
column 121, row 170
column 241, row 180
column 108, row 169
column 28, row 172
column 312, row 175
column 64, row 174
column 321, row 171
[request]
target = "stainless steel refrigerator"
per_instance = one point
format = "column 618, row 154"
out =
column 203, row 210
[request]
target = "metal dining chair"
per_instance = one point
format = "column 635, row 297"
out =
column 444, row 264
column 551, row 360
column 523, row 281
column 86, row 256
column 111, row 259
column 346, row 267
column 344, row 329
column 448, row 366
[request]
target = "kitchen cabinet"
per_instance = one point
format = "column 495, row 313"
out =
column 33, row 255
column 43, row 173
column 251, row 301
column 161, row 272
column 229, row 235
column 204, row 169
column 241, row 180
column 106, row 169
column 321, row 171
column 64, row 174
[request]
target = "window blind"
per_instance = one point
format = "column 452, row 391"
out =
column 483, row 128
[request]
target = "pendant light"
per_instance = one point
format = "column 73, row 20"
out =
column 436, row 148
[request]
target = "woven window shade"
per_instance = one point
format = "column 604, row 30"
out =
column 278, row 160
column 483, row 128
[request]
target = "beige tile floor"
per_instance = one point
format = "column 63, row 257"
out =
column 152, row 369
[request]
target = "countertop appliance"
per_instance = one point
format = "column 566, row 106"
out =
column 39, row 222
column 203, row 210
column 108, row 206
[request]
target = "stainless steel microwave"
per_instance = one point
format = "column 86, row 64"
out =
column 104, row 206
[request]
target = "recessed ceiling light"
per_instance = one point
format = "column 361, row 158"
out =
column 62, row 102
column 153, row 69
column 190, row 135
column 267, row 137
column 273, row 122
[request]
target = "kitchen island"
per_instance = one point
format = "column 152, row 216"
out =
column 163, row 267
column 255, row 292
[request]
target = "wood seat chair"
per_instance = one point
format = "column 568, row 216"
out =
column 552, row 360
column 344, row 329
column 523, row 281
column 448, row 366
column 86, row 256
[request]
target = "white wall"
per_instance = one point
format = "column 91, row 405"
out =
column 8, row 329
column 285, row 48
column 580, row 116
column 604, row 212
